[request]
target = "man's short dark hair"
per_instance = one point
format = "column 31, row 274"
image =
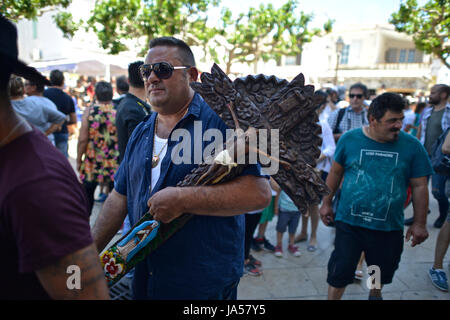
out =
column 56, row 78
column 134, row 76
column 320, row 97
column 331, row 91
column 122, row 84
column 39, row 86
column 443, row 88
column 185, row 53
column 360, row 86
column 386, row 101
column 103, row 91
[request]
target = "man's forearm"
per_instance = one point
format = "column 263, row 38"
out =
column 54, row 127
column 93, row 285
column 241, row 195
column 81, row 149
column 72, row 118
column 420, row 203
column 333, row 181
column 109, row 220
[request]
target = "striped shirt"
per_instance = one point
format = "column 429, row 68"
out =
column 445, row 123
column 350, row 120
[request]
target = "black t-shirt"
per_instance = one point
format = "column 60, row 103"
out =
column 130, row 112
column 63, row 102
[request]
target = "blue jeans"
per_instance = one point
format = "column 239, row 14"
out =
column 438, row 191
column 62, row 142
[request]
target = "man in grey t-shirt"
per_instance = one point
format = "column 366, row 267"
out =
column 35, row 92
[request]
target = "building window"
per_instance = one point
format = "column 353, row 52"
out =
column 345, row 53
column 291, row 60
column 35, row 29
column 391, row 55
column 395, row 55
column 411, row 55
column 402, row 58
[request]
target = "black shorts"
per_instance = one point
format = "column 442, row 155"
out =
column 381, row 248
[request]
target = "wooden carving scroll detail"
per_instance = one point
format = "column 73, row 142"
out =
column 267, row 102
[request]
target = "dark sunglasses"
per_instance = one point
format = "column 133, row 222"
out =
column 163, row 70
column 359, row 96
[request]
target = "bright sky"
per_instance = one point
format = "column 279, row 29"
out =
column 344, row 12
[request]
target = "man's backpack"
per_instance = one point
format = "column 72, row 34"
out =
column 338, row 120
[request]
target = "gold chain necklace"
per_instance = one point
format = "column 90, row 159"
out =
column 155, row 158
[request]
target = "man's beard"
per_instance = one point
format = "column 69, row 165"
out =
column 434, row 101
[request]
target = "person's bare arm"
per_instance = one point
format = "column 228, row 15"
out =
column 72, row 118
column 336, row 136
column 83, row 138
column 110, row 219
column 446, row 144
column 275, row 185
column 54, row 278
column 242, row 194
column 277, row 189
column 418, row 230
column 419, row 131
column 333, row 182
column 54, row 127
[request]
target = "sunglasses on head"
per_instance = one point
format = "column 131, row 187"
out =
column 359, row 96
column 163, row 70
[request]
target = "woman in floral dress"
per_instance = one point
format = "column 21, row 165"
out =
column 98, row 152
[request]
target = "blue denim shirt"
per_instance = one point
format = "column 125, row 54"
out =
column 208, row 252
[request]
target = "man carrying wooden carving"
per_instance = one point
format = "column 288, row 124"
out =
column 204, row 259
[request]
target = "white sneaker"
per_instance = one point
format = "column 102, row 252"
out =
column 278, row 251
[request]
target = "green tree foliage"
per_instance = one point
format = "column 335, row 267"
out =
column 263, row 33
column 115, row 21
column 29, row 9
column 429, row 25
column 16, row 10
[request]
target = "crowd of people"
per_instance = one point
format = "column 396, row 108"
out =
column 373, row 154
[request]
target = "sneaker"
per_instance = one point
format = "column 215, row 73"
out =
column 278, row 251
column 294, row 250
column 268, row 246
column 254, row 261
column 257, row 244
column 251, row 270
column 438, row 278
column 439, row 222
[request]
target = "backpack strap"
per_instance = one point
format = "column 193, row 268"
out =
column 338, row 120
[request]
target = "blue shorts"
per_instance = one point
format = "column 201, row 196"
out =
column 381, row 248
column 288, row 219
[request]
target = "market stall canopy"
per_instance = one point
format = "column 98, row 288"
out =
column 82, row 67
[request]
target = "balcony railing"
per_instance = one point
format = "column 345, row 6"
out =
column 388, row 66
